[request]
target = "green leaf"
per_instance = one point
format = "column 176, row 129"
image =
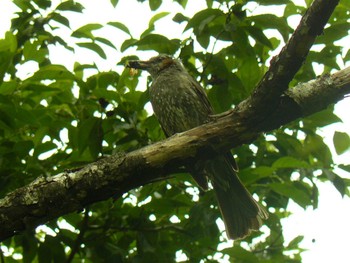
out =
column 294, row 243
column 53, row 72
column 333, row 33
column 154, row 4
column 289, row 162
column 93, row 47
column 158, row 43
column 291, row 191
column 268, row 21
column 120, row 26
column 24, row 5
column 70, row 5
column 9, row 43
column 44, row 147
column 338, row 182
column 321, row 118
column 259, row 36
column 60, row 19
column 250, row 176
column 114, row 2
column 179, row 18
column 32, row 51
column 22, row 148
column 345, row 167
column 128, row 43
column 89, row 135
column 199, row 21
column 156, row 17
column 43, row 3
column 240, row 254
column 105, row 41
column 341, row 142
column 183, row 3
column 7, row 88
column 51, row 250
column 86, row 31
column 8, row 48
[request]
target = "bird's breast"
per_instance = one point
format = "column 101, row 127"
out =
column 176, row 104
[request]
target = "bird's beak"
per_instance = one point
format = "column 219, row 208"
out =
column 138, row 64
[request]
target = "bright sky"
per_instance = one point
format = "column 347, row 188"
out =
column 328, row 225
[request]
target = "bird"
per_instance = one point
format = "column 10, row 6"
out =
column 180, row 103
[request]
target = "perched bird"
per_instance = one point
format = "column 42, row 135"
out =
column 180, row 103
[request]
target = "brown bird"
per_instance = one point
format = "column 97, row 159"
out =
column 180, row 104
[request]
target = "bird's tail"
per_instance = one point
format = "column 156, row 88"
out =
column 240, row 212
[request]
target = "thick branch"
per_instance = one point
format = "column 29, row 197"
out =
column 49, row 198
column 284, row 66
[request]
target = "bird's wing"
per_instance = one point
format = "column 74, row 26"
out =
column 202, row 96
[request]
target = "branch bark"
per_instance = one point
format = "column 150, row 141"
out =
column 48, row 198
column 284, row 66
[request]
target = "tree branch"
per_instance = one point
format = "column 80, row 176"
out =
column 284, row 66
column 48, row 198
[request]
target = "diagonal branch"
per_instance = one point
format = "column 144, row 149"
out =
column 284, row 66
column 51, row 197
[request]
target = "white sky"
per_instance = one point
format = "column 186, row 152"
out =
column 328, row 225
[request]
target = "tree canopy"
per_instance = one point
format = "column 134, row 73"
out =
column 82, row 155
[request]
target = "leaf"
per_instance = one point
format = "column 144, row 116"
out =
column 158, row 43
column 154, row 4
column 183, row 3
column 8, row 48
column 333, row 33
column 105, row 41
column 7, row 88
column 201, row 19
column 44, row 147
column 338, row 182
column 128, row 43
column 86, row 31
column 43, row 3
column 114, row 2
column 93, row 47
column 24, row 5
column 341, row 142
column 289, row 190
column 250, row 176
column 322, row 118
column 60, row 19
column 22, row 148
column 156, row 17
column 259, row 36
column 289, row 162
column 179, row 18
column 32, row 51
column 294, row 243
column 53, row 72
column 70, row 5
column 89, row 135
column 120, row 26
column 268, row 21
column 240, row 254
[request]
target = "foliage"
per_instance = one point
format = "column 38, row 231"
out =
column 59, row 118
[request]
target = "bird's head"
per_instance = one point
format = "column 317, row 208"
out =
column 154, row 65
